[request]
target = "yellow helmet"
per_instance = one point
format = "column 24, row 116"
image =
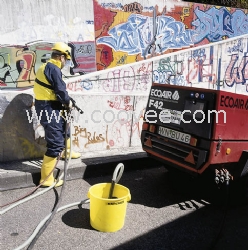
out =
column 63, row 48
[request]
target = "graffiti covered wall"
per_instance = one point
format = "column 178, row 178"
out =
column 19, row 64
column 223, row 66
column 129, row 31
column 134, row 42
column 105, row 34
column 29, row 28
column 114, row 100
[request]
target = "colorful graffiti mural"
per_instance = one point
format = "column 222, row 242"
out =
column 136, row 35
column 137, row 32
column 217, row 24
column 119, row 33
column 18, row 64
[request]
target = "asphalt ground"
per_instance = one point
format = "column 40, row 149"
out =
column 163, row 213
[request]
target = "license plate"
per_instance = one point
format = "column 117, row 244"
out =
column 174, row 135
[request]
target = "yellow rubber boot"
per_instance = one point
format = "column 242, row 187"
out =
column 74, row 155
column 46, row 168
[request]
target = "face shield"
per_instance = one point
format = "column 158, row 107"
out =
column 68, row 63
column 66, row 68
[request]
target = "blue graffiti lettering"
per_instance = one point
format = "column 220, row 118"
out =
column 86, row 84
column 238, row 74
column 136, row 34
column 214, row 24
column 236, row 48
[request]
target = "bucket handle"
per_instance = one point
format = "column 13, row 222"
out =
column 118, row 172
column 116, row 177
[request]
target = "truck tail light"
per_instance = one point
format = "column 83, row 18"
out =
column 193, row 141
column 145, row 126
column 152, row 128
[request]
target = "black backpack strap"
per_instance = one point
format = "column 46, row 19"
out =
column 44, row 84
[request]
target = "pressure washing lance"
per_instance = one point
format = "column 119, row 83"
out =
column 76, row 107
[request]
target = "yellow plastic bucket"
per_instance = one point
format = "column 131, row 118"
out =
column 108, row 215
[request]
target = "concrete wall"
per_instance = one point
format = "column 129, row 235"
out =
column 116, row 38
column 25, row 21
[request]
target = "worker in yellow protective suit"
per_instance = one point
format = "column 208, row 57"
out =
column 51, row 97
